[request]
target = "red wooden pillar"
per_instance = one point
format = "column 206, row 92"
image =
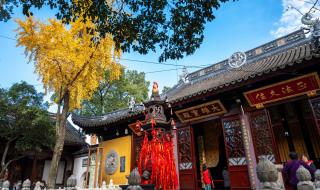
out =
column 175, row 153
column 249, row 150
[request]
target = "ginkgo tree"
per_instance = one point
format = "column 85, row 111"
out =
column 71, row 61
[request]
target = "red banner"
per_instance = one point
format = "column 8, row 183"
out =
column 307, row 84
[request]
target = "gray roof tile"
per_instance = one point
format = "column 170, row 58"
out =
column 272, row 56
column 108, row 118
column 274, row 61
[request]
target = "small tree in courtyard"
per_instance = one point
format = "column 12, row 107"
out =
column 71, row 61
column 25, row 125
column 113, row 95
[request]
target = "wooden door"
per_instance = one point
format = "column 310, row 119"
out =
column 262, row 136
column 237, row 163
column 186, row 164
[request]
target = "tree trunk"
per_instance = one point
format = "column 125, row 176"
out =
column 34, row 167
column 60, row 136
column 3, row 160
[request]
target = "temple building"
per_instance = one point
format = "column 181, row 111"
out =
column 260, row 103
column 35, row 166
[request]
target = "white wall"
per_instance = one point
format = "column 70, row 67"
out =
column 79, row 170
column 60, row 174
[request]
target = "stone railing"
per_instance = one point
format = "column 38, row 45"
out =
column 304, row 178
column 71, row 185
column 267, row 174
column 133, row 180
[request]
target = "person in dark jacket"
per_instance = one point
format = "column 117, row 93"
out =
column 291, row 167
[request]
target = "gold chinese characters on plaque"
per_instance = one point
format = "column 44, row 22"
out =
column 201, row 111
column 306, row 84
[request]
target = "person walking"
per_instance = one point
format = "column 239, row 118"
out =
column 291, row 167
column 207, row 179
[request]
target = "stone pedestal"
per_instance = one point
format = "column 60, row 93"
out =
column 5, row 185
column 37, row 186
column 304, row 178
column 26, row 185
column 317, row 179
column 104, row 185
column 71, row 182
column 134, row 181
column 268, row 175
column 280, row 177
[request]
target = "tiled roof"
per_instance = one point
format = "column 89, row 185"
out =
column 73, row 136
column 278, row 54
column 108, row 118
column 83, row 151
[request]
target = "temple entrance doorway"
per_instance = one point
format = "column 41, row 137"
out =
column 295, row 130
column 210, row 149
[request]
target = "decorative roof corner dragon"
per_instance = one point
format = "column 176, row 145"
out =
column 312, row 23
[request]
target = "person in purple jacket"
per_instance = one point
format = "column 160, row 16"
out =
column 291, row 168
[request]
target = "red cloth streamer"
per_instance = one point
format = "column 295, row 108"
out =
column 156, row 156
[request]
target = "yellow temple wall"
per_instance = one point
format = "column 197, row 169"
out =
column 122, row 146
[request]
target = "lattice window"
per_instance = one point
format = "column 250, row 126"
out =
column 316, row 108
column 184, row 148
column 314, row 132
column 262, row 135
column 233, row 141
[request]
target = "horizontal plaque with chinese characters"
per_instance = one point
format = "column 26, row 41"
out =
column 306, row 84
column 201, row 111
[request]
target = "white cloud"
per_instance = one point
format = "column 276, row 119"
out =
column 291, row 18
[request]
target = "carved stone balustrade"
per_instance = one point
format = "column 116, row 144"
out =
column 317, row 180
column 71, row 183
column 104, row 185
column 267, row 174
column 5, row 185
column 26, row 185
column 37, row 186
column 304, row 178
column 134, row 180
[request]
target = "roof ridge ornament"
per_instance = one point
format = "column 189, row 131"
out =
column 311, row 22
column 237, row 59
column 184, row 75
column 131, row 104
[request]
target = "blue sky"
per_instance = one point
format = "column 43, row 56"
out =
column 239, row 26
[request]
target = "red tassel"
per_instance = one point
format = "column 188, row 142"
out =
column 158, row 151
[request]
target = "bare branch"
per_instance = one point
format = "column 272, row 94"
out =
column 12, row 160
